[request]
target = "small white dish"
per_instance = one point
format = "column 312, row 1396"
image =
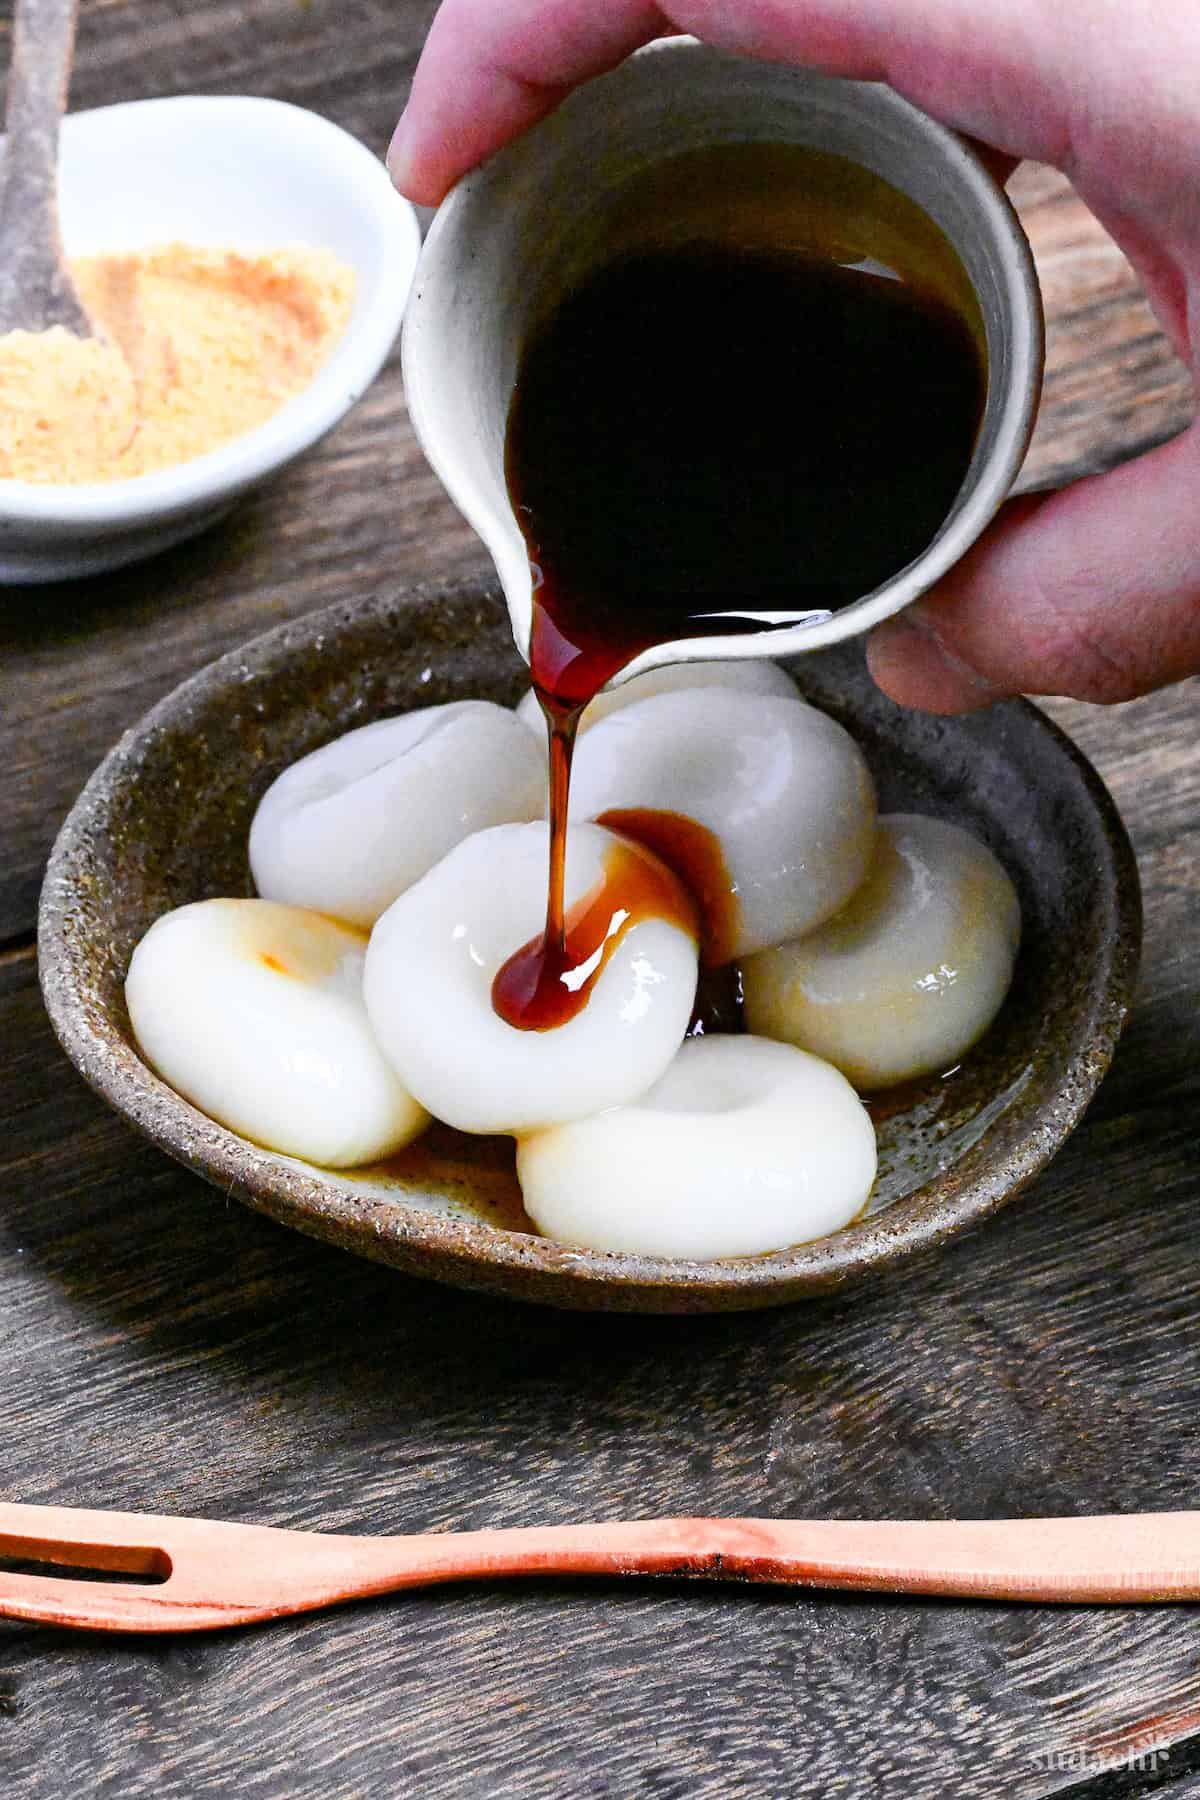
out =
column 241, row 173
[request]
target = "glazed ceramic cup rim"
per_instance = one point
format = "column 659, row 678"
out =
column 350, row 368
column 1009, row 413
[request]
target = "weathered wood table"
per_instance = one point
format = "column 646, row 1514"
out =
column 161, row 1349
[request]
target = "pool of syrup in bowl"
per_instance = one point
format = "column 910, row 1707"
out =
column 544, row 984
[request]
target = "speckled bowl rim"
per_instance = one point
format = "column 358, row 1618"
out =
column 473, row 1254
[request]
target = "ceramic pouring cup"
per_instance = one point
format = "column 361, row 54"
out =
column 519, row 233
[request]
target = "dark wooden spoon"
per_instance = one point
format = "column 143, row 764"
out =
column 36, row 290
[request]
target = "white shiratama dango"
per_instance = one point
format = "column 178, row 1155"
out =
column 253, row 1011
column 432, row 961
column 743, row 1146
column 784, row 791
column 910, row 973
column 753, row 675
column 350, row 826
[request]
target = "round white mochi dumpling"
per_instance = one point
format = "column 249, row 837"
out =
column 910, row 973
column 754, row 675
column 254, row 1013
column 744, row 1146
column 783, row 789
column 428, row 987
column 351, row 825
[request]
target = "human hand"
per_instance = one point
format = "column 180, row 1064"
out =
column 1093, row 591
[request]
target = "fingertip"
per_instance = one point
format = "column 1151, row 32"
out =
column 398, row 156
column 910, row 663
column 409, row 174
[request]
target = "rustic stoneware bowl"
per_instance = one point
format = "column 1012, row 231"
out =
column 165, row 817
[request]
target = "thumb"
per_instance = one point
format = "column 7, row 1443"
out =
column 1093, row 592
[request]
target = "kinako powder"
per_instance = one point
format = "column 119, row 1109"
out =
column 195, row 346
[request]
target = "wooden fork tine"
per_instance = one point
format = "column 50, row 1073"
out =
column 155, row 1545
column 74, row 1530
column 91, row 1605
column 211, row 1573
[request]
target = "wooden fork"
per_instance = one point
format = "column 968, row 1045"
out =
column 199, row 1575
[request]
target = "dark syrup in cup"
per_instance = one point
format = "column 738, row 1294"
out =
column 713, row 435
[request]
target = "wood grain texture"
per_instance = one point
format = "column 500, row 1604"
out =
column 160, row 1348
